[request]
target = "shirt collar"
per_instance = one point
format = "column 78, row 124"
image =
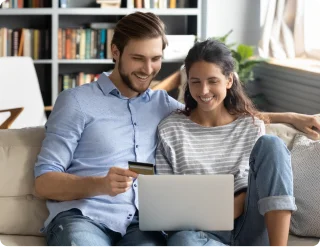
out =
column 108, row 87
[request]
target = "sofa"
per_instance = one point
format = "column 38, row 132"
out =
column 22, row 213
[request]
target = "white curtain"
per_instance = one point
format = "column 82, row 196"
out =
column 290, row 29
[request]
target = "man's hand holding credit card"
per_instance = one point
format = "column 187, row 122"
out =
column 141, row 168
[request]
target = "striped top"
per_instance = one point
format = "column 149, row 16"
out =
column 186, row 147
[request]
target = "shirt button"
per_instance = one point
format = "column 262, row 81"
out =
column 128, row 218
column 137, row 146
column 135, row 185
column 130, row 214
column 135, row 123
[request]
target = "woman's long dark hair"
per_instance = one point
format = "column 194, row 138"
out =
column 213, row 51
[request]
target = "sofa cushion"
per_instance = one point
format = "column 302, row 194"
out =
column 15, row 240
column 306, row 173
column 21, row 212
column 284, row 131
column 300, row 241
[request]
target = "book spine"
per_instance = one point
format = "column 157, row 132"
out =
column 102, row 43
column 78, row 40
column 88, row 44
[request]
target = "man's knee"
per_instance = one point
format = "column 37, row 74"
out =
column 71, row 231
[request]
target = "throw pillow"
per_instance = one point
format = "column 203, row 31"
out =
column 305, row 156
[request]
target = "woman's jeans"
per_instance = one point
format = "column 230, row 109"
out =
column 270, row 188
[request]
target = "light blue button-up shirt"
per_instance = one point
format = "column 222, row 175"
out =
column 93, row 128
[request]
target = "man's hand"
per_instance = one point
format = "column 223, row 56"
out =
column 308, row 124
column 118, row 180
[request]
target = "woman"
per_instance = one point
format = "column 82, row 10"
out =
column 220, row 132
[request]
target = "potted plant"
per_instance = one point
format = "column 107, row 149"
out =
column 245, row 63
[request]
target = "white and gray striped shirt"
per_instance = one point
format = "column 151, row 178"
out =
column 188, row 148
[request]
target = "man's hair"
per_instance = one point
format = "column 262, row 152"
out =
column 138, row 26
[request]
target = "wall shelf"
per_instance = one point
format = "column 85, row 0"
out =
column 178, row 21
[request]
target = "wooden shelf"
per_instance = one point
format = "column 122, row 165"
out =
column 27, row 11
column 42, row 61
column 178, row 21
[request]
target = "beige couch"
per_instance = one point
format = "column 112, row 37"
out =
column 22, row 214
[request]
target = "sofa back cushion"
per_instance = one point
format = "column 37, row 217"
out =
column 284, row 131
column 21, row 212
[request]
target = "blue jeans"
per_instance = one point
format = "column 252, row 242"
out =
column 72, row 228
column 270, row 188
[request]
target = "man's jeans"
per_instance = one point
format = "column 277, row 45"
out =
column 72, row 228
column 270, row 188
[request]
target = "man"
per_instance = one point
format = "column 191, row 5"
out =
column 92, row 133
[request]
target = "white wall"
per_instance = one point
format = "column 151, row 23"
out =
column 242, row 16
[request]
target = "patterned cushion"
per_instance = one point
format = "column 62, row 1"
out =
column 306, row 172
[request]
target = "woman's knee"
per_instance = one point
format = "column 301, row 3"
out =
column 270, row 142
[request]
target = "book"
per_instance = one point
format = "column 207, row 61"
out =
column 63, row 4
column 109, row 3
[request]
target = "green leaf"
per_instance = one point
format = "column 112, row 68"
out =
column 245, row 75
column 245, row 51
column 236, row 66
column 248, row 64
column 236, row 56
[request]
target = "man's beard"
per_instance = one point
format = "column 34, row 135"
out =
column 125, row 78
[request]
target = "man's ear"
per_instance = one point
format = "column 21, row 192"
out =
column 230, row 81
column 115, row 52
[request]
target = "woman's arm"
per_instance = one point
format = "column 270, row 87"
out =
column 163, row 155
column 169, row 83
column 239, row 201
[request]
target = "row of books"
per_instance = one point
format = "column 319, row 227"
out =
column 67, row 81
column 33, row 43
column 84, row 43
column 26, row 4
column 150, row 4
column 72, row 80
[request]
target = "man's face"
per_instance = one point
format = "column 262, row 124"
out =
column 140, row 62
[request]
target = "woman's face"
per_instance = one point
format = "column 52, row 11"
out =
column 208, row 86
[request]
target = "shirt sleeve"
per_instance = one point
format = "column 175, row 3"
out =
column 174, row 104
column 241, row 178
column 163, row 157
column 63, row 131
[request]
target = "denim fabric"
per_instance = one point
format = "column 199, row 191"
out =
column 270, row 188
column 71, row 228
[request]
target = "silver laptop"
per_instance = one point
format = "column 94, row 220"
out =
column 186, row 202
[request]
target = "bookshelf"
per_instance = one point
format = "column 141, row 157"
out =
column 83, row 12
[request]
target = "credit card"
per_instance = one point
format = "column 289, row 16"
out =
column 141, row 168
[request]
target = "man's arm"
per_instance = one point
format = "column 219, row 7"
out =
column 169, row 83
column 65, row 187
column 64, row 129
column 308, row 124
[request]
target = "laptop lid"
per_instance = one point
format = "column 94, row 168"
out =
column 186, row 202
